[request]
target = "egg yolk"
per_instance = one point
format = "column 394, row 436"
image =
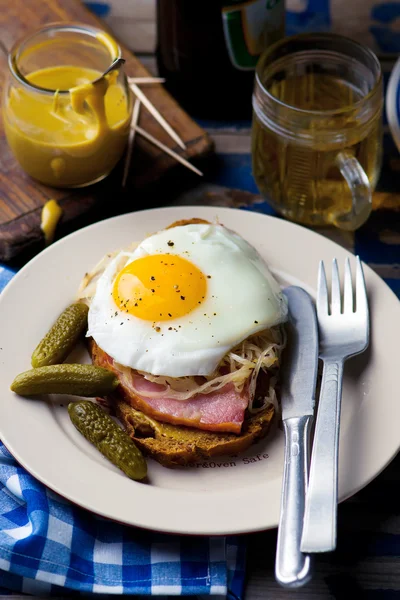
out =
column 159, row 287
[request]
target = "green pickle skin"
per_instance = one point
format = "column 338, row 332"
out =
column 112, row 441
column 54, row 348
column 74, row 379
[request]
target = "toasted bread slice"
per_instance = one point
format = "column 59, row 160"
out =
column 193, row 221
column 176, row 444
column 173, row 445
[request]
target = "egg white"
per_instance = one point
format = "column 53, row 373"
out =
column 241, row 292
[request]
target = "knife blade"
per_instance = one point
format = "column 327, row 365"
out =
column 299, row 377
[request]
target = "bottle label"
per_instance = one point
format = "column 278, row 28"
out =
column 249, row 27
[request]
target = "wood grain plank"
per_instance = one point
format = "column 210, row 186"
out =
column 21, row 198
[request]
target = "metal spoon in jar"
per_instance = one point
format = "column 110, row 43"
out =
column 118, row 62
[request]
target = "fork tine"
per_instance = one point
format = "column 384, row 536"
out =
column 348, row 289
column 361, row 290
column 335, row 299
column 322, row 293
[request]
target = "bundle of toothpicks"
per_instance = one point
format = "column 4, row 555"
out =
column 135, row 129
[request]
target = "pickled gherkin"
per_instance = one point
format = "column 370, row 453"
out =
column 64, row 334
column 78, row 380
column 112, row 441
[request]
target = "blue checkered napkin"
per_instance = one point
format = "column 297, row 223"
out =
column 47, row 542
column 5, row 276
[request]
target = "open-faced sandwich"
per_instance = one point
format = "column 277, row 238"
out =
column 190, row 322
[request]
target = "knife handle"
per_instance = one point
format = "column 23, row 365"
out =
column 292, row 567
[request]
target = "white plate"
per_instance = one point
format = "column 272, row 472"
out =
column 229, row 495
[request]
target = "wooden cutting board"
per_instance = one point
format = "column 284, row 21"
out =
column 22, row 198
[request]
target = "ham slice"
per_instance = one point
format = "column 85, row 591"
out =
column 222, row 410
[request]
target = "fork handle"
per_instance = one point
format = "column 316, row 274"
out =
column 292, row 568
column 320, row 516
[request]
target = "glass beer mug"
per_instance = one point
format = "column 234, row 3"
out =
column 317, row 129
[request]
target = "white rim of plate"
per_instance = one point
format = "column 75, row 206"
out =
column 393, row 103
column 212, row 502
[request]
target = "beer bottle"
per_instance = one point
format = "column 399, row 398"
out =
column 207, row 51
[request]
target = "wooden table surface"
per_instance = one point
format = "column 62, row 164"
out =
column 366, row 563
column 22, row 198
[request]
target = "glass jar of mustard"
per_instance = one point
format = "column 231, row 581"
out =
column 65, row 128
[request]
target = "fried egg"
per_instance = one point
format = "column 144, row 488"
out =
column 182, row 299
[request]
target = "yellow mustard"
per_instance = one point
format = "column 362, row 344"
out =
column 51, row 214
column 77, row 134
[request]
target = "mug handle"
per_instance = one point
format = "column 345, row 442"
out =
column 361, row 192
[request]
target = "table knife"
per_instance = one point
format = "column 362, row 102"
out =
column 298, row 376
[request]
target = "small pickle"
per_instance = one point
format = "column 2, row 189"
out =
column 78, row 380
column 112, row 441
column 62, row 337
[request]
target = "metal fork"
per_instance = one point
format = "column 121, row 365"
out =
column 343, row 333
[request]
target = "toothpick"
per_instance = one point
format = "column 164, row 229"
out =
column 144, row 80
column 132, row 132
column 167, row 150
column 152, row 109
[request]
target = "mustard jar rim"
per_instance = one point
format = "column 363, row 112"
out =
column 69, row 26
